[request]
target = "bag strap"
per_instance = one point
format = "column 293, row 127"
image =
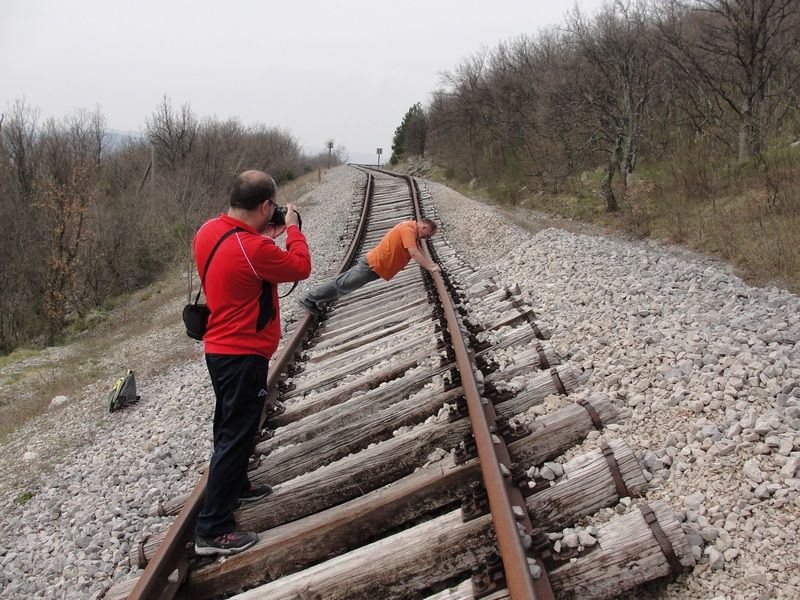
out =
column 294, row 285
column 210, row 256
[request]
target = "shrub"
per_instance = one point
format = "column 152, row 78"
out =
column 283, row 175
column 23, row 498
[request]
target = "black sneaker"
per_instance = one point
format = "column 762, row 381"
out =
column 256, row 492
column 309, row 307
column 225, row 544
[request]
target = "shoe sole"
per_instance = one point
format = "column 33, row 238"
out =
column 253, row 498
column 210, row 551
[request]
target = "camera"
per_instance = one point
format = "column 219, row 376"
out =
column 279, row 217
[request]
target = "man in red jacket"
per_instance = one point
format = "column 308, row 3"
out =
column 243, row 332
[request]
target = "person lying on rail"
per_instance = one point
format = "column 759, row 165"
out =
column 242, row 334
column 387, row 259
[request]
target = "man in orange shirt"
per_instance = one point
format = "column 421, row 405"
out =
column 385, row 260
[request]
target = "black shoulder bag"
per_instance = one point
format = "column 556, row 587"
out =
column 195, row 316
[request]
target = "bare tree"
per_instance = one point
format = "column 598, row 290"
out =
column 340, row 154
column 218, row 152
column 616, row 73
column 20, row 258
column 743, row 54
column 172, row 132
column 19, row 139
column 86, row 133
column 466, row 107
column 549, row 114
column 75, row 193
column 272, row 148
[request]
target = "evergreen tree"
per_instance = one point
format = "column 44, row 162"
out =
column 410, row 134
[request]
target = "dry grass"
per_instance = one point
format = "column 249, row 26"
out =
column 32, row 378
column 748, row 216
column 763, row 243
column 291, row 191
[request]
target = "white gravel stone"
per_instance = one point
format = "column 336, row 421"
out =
column 716, row 560
column 752, row 470
column 694, row 500
column 58, row 401
column 547, row 473
column 571, row 540
column 791, row 468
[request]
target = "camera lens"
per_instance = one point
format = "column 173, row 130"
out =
column 278, row 216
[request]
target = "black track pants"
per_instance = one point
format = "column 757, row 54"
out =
column 240, row 383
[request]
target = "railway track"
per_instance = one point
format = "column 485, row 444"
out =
column 412, row 445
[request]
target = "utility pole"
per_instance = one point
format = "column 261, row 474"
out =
column 379, row 151
column 329, row 144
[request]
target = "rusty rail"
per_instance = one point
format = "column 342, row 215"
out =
column 168, row 569
column 501, row 492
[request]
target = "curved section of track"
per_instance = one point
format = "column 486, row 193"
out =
column 405, row 400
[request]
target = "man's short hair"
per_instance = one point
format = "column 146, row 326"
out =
column 251, row 188
column 430, row 223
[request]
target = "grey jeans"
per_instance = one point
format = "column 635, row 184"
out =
column 356, row 276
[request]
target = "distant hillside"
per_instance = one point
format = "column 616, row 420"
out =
column 366, row 159
column 116, row 137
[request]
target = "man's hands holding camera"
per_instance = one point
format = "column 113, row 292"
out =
column 282, row 217
column 291, row 217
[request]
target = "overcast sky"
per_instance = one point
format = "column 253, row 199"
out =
column 341, row 69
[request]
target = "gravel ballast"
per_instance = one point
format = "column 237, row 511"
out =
column 704, row 368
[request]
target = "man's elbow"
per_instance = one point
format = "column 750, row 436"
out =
column 305, row 269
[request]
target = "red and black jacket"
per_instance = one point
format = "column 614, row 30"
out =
column 240, row 284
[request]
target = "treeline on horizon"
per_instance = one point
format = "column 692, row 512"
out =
column 673, row 115
column 87, row 217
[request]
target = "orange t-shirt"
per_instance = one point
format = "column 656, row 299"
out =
column 389, row 257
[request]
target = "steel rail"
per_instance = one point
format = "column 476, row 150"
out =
column 498, row 487
column 169, row 567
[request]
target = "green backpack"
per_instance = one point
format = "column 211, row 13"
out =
column 123, row 393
